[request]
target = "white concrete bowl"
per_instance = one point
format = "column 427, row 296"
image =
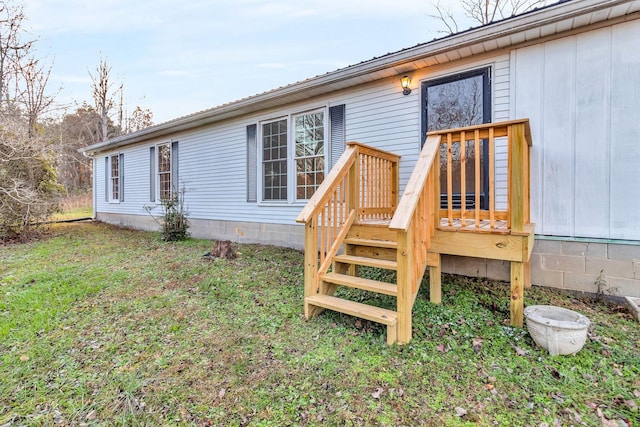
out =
column 558, row 330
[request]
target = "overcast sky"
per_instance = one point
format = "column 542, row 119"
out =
column 180, row 57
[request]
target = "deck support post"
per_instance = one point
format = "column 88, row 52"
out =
column 311, row 282
column 518, row 274
column 435, row 280
column 405, row 285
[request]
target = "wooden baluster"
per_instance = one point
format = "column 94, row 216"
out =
column 463, row 179
column 492, row 180
column 509, row 169
column 476, row 149
column 449, row 182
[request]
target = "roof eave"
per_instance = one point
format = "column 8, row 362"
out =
column 499, row 33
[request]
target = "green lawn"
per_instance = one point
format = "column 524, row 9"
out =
column 80, row 212
column 104, row 326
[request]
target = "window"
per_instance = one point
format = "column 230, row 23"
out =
column 164, row 171
column 115, row 178
column 274, row 160
column 295, row 143
column 309, row 153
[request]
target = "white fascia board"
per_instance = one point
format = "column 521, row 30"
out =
column 500, row 34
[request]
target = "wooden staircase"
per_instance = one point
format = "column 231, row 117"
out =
column 377, row 249
column 355, row 219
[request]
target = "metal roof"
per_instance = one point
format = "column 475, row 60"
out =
column 537, row 24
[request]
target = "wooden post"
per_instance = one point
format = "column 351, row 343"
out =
column 527, row 274
column 395, row 185
column 517, row 177
column 354, row 196
column 311, row 282
column 517, row 293
column 435, row 281
column 405, row 285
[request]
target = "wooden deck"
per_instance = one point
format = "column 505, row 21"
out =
column 356, row 219
column 470, row 225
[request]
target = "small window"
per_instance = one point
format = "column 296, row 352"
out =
column 164, row 171
column 115, row 178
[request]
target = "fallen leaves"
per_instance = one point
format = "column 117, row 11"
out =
column 520, row 351
column 378, row 393
column 476, row 343
column 460, row 412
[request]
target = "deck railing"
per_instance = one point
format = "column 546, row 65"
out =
column 461, row 152
column 362, row 186
column 415, row 221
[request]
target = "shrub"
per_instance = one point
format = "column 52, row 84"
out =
column 173, row 221
column 29, row 188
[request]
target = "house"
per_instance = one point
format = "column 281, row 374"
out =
column 572, row 69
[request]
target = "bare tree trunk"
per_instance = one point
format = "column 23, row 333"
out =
column 100, row 87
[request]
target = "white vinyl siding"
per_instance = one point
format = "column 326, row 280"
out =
column 580, row 93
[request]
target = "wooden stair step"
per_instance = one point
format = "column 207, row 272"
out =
column 369, row 262
column 364, row 311
column 371, row 242
column 364, row 231
column 361, row 283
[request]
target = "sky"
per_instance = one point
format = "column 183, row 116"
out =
column 180, row 57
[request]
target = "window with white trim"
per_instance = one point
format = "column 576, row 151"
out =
column 115, row 177
column 274, row 160
column 309, row 153
column 164, row 171
column 292, row 154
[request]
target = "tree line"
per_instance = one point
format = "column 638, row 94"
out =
column 39, row 159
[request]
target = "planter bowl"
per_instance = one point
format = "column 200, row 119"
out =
column 558, row 330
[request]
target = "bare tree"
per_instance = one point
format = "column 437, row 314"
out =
column 102, row 98
column 482, row 11
column 31, row 88
column 12, row 47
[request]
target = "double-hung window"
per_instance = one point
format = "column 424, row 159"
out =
column 293, row 156
column 274, row 160
column 114, row 178
column 164, row 171
column 288, row 157
column 163, row 167
column 309, row 153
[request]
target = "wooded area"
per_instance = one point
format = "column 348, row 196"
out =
column 39, row 140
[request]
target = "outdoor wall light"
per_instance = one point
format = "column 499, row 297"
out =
column 406, row 85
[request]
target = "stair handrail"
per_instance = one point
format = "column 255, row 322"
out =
column 414, row 222
column 331, row 182
column 349, row 193
column 415, row 186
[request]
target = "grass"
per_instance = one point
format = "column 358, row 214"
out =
column 105, row 326
column 74, row 207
